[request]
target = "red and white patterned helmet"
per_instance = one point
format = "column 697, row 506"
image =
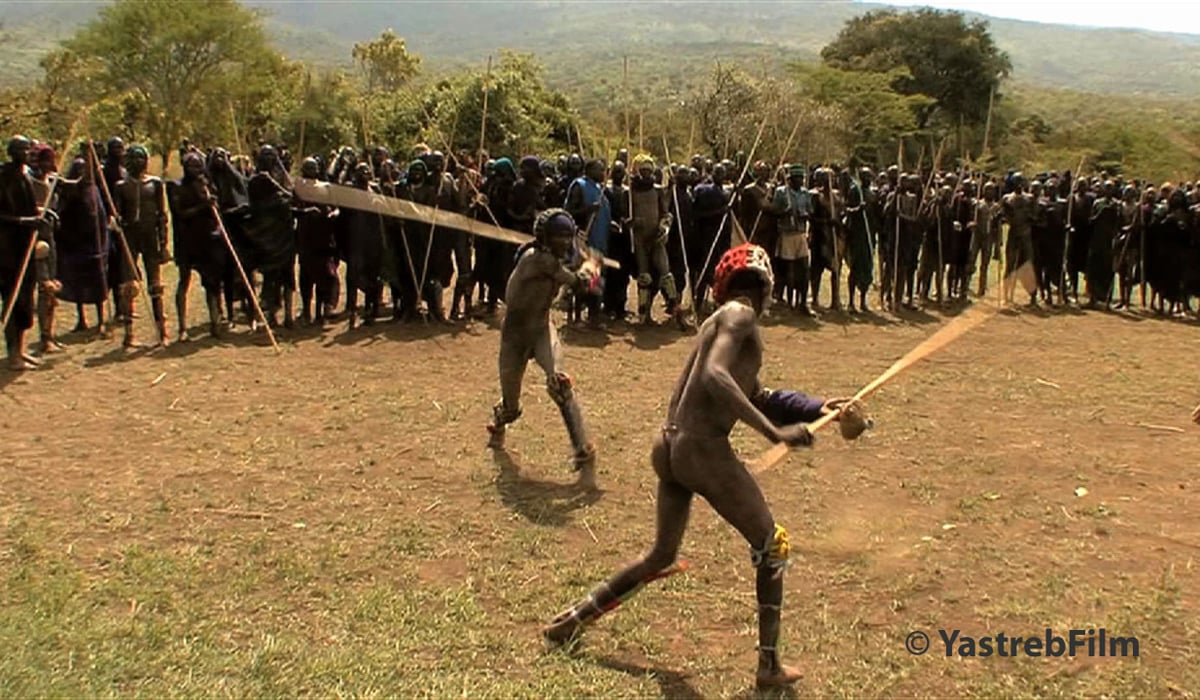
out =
column 749, row 257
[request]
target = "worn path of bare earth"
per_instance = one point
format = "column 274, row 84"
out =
column 213, row 520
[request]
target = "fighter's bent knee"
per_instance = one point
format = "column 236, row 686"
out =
column 558, row 385
column 645, row 280
column 774, row 552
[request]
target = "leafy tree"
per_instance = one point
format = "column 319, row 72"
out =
column 724, row 106
column 385, row 63
column 322, row 117
column 953, row 62
column 523, row 115
column 170, row 58
column 872, row 114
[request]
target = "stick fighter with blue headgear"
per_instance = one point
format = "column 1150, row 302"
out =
column 719, row 386
column 527, row 333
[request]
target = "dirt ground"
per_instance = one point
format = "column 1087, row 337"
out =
column 211, row 519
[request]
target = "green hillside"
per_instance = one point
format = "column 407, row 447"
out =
column 578, row 40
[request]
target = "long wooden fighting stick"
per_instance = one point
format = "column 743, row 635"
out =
column 937, row 213
column 1142, row 249
column 33, row 237
column 987, row 129
column 237, row 134
column 712, row 248
column 242, row 271
column 896, row 294
column 687, row 282
column 935, row 164
column 437, row 202
column 787, row 151
column 1062, row 280
column 304, row 107
column 955, row 329
column 446, row 145
column 98, row 173
column 483, row 120
column 625, row 95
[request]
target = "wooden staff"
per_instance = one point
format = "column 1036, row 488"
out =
column 625, row 94
column 947, row 334
column 896, row 294
column 237, row 136
column 304, row 107
column 433, row 226
column 787, row 150
column 629, row 171
column 437, row 201
column 687, row 282
column 987, row 129
column 835, row 265
column 929, row 181
column 242, row 271
column 1062, row 280
column 1142, row 250
column 446, row 144
column 98, row 173
column 487, row 77
column 33, row 237
column 641, row 131
column 937, row 213
column 712, row 248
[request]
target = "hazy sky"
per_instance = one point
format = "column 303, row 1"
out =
column 1157, row 15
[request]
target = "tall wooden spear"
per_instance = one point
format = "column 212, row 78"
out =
column 625, row 94
column 712, row 248
column 787, row 150
column 237, row 136
column 687, row 273
column 33, row 237
column 987, row 129
column 896, row 294
column 483, row 121
column 113, row 214
column 304, row 111
column 1067, row 233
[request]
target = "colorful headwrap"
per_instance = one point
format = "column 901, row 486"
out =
column 796, row 170
column 746, row 257
column 137, row 149
column 418, row 164
column 643, row 159
column 506, row 165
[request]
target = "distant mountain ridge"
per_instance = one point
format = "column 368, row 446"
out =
column 1115, row 61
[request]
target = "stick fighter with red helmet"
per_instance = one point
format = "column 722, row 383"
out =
column 692, row 455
